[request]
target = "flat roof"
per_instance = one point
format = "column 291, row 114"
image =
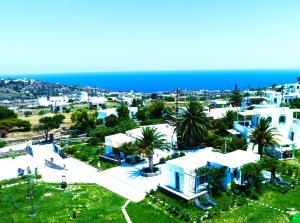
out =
column 117, row 140
column 248, row 113
column 283, row 140
column 200, row 158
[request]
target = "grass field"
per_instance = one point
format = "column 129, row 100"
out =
column 96, row 204
column 250, row 212
column 142, row 212
column 91, row 202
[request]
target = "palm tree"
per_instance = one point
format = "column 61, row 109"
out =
column 148, row 142
column 192, row 125
column 263, row 135
column 229, row 117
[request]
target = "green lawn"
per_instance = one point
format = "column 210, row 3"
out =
column 250, row 213
column 91, row 202
column 143, row 212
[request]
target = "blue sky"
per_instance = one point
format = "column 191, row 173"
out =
column 53, row 36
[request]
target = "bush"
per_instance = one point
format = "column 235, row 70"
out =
column 240, row 200
column 70, row 150
column 7, row 113
column 226, row 203
column 27, row 113
column 2, row 144
column 252, row 194
column 181, row 154
column 83, row 157
column 15, row 123
column 162, row 160
column 42, row 112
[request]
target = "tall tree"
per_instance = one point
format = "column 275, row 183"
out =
column 263, row 135
column 156, row 109
column 46, row 124
column 84, row 119
column 192, row 125
column 111, row 120
column 7, row 113
column 123, row 112
column 229, row 117
column 148, row 142
column 236, row 98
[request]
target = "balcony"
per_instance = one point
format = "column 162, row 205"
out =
column 243, row 127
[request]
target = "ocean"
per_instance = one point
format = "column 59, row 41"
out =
column 171, row 80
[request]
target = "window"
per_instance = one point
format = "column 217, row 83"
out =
column 269, row 119
column 282, row 119
column 292, row 136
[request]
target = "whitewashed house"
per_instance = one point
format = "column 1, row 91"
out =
column 181, row 177
column 96, row 102
column 43, row 101
column 83, row 97
column 113, row 142
column 282, row 119
column 102, row 114
column 219, row 103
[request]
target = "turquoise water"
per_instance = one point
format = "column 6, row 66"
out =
column 170, row 80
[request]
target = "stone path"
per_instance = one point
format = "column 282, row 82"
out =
column 291, row 213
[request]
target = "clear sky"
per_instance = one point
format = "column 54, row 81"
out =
column 46, row 36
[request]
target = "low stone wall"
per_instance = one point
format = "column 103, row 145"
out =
column 145, row 174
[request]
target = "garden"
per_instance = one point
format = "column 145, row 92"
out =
column 87, row 153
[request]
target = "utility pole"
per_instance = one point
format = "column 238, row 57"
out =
column 177, row 97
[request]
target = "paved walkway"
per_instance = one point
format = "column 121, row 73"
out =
column 124, row 180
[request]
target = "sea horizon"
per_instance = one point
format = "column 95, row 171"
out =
column 153, row 81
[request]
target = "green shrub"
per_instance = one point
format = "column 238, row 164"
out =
column 253, row 194
column 82, row 156
column 27, row 113
column 2, row 144
column 162, row 160
column 240, row 200
column 181, row 154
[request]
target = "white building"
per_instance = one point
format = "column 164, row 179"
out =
column 83, row 97
column 113, row 142
column 281, row 118
column 107, row 112
column 181, row 177
column 219, row 103
column 56, row 103
column 102, row 114
column 43, row 102
column 96, row 102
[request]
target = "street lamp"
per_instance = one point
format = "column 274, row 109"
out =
column 63, row 182
column 225, row 143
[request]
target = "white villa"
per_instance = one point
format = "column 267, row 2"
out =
column 96, row 102
column 56, row 103
column 113, row 142
column 281, row 118
column 219, row 103
column 181, row 178
column 83, row 97
column 113, row 111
